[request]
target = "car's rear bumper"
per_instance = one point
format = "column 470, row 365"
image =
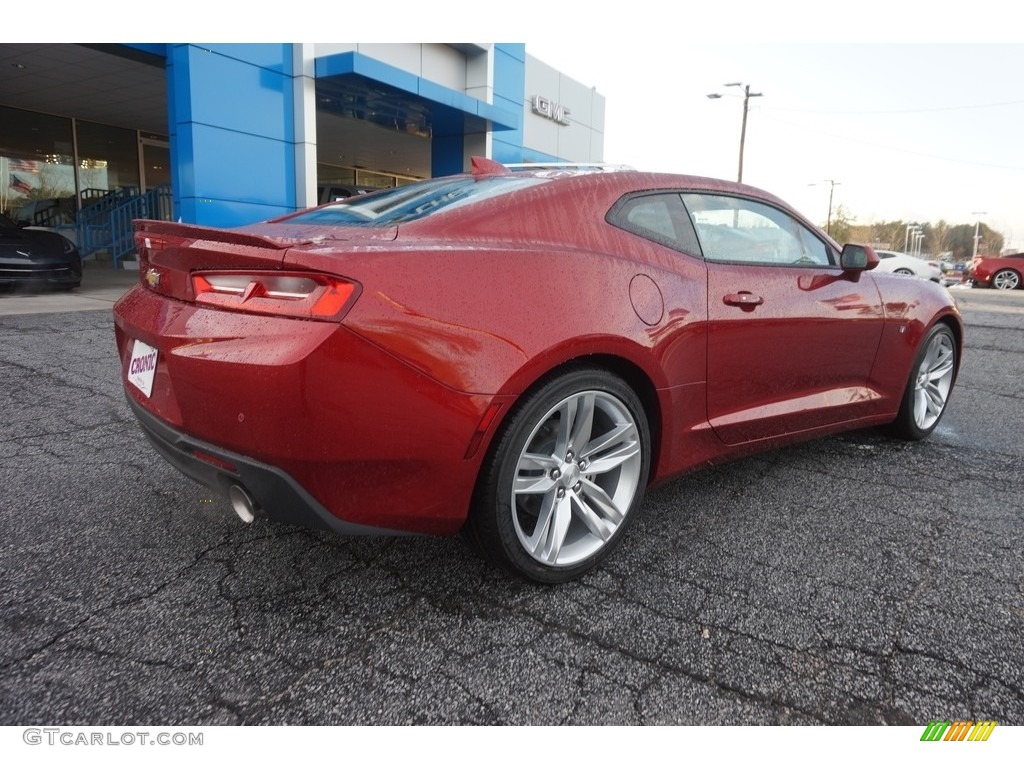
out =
column 276, row 493
column 322, row 421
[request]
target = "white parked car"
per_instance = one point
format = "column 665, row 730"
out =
column 905, row 264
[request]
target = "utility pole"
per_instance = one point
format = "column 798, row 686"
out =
column 747, row 96
column 977, row 237
column 832, row 188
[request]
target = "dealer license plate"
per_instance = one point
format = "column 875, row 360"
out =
column 142, row 367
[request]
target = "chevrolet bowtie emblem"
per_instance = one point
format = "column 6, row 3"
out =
column 152, row 278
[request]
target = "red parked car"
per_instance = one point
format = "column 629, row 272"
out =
column 1003, row 272
column 516, row 354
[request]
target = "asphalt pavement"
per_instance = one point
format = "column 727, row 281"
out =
column 852, row 580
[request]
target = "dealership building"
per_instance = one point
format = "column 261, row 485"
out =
column 92, row 136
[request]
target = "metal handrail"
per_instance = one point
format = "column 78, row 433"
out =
column 107, row 224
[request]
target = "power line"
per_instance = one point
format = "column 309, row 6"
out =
column 775, row 108
column 897, row 149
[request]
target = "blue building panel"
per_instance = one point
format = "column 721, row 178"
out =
column 510, row 71
column 354, row 63
column 508, row 105
column 441, row 95
column 232, row 134
column 447, row 154
column 515, row 50
column 272, row 56
column 239, row 166
column 505, row 151
column 501, row 119
column 509, row 86
column 249, row 101
column 511, row 110
column 232, row 122
column 227, row 213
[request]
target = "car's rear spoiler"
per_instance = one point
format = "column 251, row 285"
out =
column 214, row 234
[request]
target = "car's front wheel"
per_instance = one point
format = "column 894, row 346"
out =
column 564, row 477
column 927, row 391
column 903, row 271
column 1006, row 280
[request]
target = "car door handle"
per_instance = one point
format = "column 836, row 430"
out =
column 743, row 299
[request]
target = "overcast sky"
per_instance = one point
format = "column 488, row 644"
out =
column 918, row 132
column 916, row 110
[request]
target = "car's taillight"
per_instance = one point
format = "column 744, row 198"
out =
column 293, row 294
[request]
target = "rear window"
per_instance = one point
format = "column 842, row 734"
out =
column 414, row 201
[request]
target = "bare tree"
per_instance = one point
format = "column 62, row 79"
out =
column 938, row 238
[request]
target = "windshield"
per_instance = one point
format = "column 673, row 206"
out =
column 414, row 201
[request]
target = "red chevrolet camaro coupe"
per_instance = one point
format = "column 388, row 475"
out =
column 515, row 353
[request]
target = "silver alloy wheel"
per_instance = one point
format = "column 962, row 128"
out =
column 1006, row 280
column 576, row 478
column 934, row 380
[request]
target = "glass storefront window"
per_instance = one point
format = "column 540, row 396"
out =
column 156, row 160
column 40, row 183
column 108, row 159
column 357, row 177
column 37, row 172
column 333, row 174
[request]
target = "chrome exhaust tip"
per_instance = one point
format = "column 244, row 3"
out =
column 242, row 503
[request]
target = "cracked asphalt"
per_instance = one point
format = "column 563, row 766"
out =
column 852, row 580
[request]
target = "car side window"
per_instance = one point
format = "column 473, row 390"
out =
column 657, row 216
column 733, row 229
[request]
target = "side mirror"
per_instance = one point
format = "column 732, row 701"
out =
column 858, row 258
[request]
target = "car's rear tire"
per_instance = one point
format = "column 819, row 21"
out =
column 1006, row 280
column 563, row 478
column 929, row 386
column 903, row 271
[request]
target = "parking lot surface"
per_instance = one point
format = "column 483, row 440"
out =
column 852, row 580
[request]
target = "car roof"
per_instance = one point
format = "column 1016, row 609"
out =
column 628, row 176
column 631, row 180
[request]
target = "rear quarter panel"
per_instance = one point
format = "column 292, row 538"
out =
column 486, row 298
column 493, row 316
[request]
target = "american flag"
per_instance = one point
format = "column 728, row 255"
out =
column 18, row 184
column 25, row 166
